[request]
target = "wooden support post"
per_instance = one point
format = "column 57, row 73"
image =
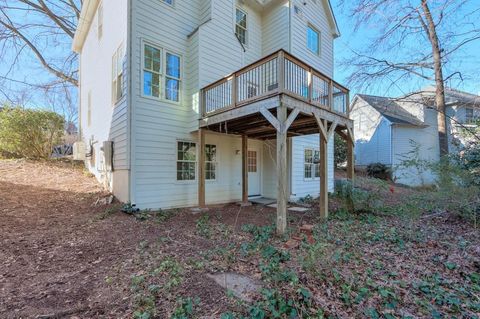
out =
column 281, row 71
column 323, row 165
column 282, row 180
column 201, row 168
column 244, row 169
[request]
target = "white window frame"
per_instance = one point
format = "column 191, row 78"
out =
column 238, row 25
column 315, row 167
column 166, row 76
column 162, row 74
column 214, row 163
column 177, row 160
column 319, row 45
column 100, row 21
column 117, row 75
column 473, row 119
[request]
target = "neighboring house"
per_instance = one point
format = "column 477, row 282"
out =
column 395, row 131
column 143, row 64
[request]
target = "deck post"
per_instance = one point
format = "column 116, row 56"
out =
column 282, row 182
column 244, row 169
column 323, row 166
column 201, row 168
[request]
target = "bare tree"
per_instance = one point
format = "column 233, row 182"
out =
column 42, row 29
column 413, row 39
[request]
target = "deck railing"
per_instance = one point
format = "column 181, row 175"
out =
column 277, row 73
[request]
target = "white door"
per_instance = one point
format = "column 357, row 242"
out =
column 254, row 176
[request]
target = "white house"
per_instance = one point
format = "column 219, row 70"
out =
column 162, row 78
column 394, row 131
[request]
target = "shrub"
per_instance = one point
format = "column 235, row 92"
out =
column 360, row 199
column 26, row 133
column 379, row 170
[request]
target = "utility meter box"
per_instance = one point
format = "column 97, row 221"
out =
column 79, row 151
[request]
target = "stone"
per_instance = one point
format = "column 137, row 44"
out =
column 198, row 210
column 299, row 209
column 243, row 287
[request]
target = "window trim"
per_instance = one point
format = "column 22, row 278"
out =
column 473, row 119
column 212, row 162
column 319, row 46
column 119, row 53
column 187, row 181
column 315, row 166
column 163, row 52
column 236, row 24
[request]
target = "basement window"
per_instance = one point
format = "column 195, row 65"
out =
column 210, row 162
column 186, row 161
column 311, row 166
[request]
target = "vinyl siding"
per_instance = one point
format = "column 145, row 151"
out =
column 404, row 140
column 312, row 13
column 372, row 135
column 108, row 121
column 276, row 29
column 302, row 187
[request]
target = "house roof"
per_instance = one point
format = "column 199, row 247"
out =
column 391, row 110
column 453, row 96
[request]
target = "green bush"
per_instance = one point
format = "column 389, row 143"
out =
column 27, row 133
column 379, row 170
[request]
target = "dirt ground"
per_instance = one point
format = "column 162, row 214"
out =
column 65, row 257
column 58, row 248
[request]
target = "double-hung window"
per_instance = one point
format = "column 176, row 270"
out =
column 161, row 74
column 313, row 40
column 241, row 26
column 210, row 162
column 172, row 77
column 470, row 116
column 152, row 67
column 311, row 167
column 308, row 171
column 117, row 74
column 186, row 161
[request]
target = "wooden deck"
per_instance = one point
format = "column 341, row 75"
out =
column 275, row 98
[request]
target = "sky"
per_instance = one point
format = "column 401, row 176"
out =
column 467, row 61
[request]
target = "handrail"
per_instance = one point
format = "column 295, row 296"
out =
column 279, row 72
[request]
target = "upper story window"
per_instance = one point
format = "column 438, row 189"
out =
column 313, row 40
column 172, row 77
column 156, row 77
column 470, row 116
column 117, row 74
column 100, row 21
column 241, row 26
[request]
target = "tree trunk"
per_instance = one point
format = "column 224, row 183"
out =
column 439, row 83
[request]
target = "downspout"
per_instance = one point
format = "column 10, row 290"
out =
column 131, row 177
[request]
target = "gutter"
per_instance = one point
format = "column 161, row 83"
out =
column 84, row 22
